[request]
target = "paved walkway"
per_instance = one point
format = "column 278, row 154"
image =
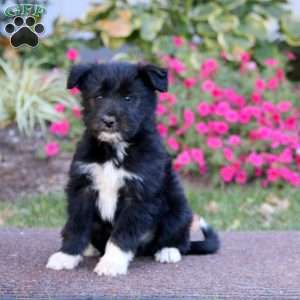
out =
column 251, row 265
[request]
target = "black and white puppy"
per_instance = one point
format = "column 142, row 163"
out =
column 124, row 198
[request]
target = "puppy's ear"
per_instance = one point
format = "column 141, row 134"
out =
column 76, row 76
column 155, row 76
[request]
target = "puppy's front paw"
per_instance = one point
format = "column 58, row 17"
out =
column 168, row 255
column 60, row 261
column 109, row 266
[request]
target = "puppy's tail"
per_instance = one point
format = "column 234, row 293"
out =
column 211, row 242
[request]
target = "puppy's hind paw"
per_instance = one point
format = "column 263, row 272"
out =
column 61, row 261
column 168, row 255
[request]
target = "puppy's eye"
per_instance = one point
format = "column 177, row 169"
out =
column 99, row 98
column 127, row 98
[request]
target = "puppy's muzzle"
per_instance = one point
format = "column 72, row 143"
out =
column 109, row 123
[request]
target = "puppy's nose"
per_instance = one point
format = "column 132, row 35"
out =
column 109, row 121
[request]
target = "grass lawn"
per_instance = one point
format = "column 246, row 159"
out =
column 227, row 208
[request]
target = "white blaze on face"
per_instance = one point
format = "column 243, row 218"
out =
column 114, row 262
column 107, row 180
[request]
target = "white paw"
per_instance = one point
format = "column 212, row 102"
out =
column 90, row 251
column 108, row 266
column 60, row 261
column 168, row 255
column 114, row 262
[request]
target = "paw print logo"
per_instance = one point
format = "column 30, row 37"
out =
column 24, row 32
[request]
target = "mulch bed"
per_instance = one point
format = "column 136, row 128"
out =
column 23, row 173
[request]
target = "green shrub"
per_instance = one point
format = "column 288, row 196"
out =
column 28, row 94
column 228, row 25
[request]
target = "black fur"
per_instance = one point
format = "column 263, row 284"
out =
column 155, row 202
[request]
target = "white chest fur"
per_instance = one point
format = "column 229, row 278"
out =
column 107, row 180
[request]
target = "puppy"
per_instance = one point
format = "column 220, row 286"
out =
column 124, row 198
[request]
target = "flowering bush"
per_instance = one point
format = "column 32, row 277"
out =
column 235, row 125
column 230, row 124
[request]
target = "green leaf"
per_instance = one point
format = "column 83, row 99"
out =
column 151, row 26
column 264, row 51
column 204, row 11
column 231, row 4
column 204, row 29
column 254, row 25
column 270, row 11
column 235, row 43
column 291, row 30
column 223, row 23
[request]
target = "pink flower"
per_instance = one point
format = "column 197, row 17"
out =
column 273, row 84
column 234, row 140
column 231, row 116
column 228, row 154
column 291, row 56
column 163, row 96
column 280, row 74
column 245, row 57
column 260, row 85
column 162, row 130
column 271, row 62
column 251, row 66
column 182, row 160
column 245, row 116
column 258, row 172
column 269, row 107
column 290, row 122
column 188, row 117
column 72, row 54
column 230, row 94
column 189, row 82
column 177, row 65
column 285, row 156
column 173, row 144
column 216, row 92
column 209, row 67
column 202, row 128
column 222, row 108
column 59, row 107
column 214, row 143
column 51, row 149
column 197, row 156
column 284, row 106
column 207, row 86
column 256, row 97
column 160, row 110
column 74, row 91
column 220, row 127
column 166, row 96
column 60, row 128
column 273, row 174
column 227, row 173
column 241, row 177
column 76, row 112
column 203, row 109
column 255, row 159
column 177, row 41
column 172, row 120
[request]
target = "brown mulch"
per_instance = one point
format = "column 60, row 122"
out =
column 22, row 172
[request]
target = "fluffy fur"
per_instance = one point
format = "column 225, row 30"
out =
column 123, row 195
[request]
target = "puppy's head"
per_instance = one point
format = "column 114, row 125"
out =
column 119, row 99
